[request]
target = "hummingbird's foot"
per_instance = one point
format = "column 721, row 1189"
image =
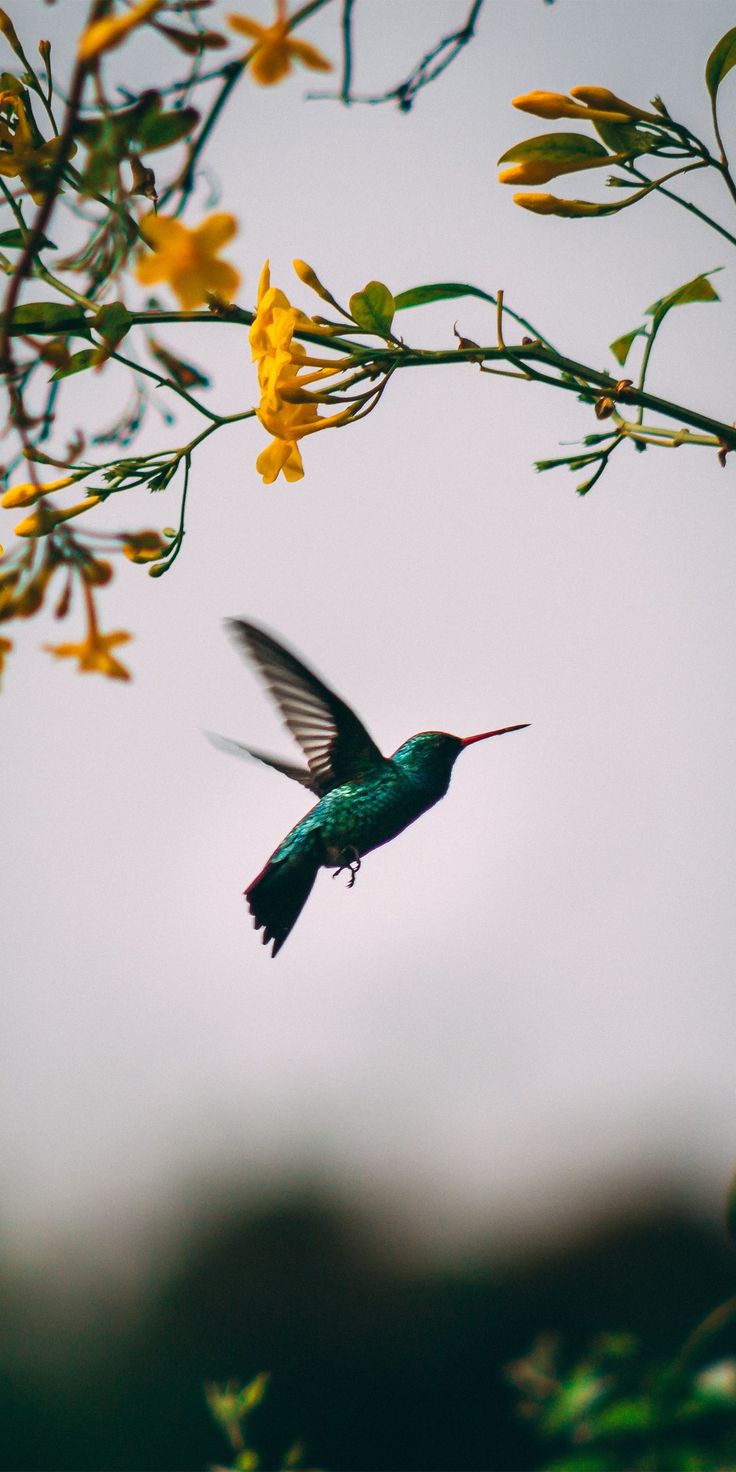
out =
column 353, row 864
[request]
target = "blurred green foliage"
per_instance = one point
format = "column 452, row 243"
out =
column 612, row 1408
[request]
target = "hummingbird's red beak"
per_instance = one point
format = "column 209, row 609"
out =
column 468, row 740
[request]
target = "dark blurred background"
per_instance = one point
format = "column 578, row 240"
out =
column 381, row 1357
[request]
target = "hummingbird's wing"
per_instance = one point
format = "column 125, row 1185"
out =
column 336, row 744
column 237, row 748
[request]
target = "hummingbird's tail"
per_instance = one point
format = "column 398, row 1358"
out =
column 278, row 894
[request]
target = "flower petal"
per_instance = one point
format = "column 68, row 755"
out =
column 273, row 459
column 215, row 231
column 309, row 55
column 245, row 26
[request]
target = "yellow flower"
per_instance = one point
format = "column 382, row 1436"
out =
column 557, row 105
column 286, row 409
column 103, row 35
column 94, row 654
column 271, row 57
column 27, row 493
column 187, row 259
column 21, row 154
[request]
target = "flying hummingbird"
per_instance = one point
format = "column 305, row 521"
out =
column 365, row 798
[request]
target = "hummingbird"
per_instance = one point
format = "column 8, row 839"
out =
column 364, row 798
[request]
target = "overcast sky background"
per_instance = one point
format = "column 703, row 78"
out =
column 528, row 999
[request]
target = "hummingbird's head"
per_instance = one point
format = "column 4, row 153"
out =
column 432, row 754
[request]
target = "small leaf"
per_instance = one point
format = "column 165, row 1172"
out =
column 113, row 321
column 192, row 42
column 622, row 346
column 13, row 240
column 373, row 308
column 554, row 148
column 720, row 61
column 437, row 291
column 50, row 317
column 161, row 129
column 697, row 290
column 625, row 138
column 78, row 362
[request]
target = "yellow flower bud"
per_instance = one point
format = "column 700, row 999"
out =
column 26, row 494
column 9, row 32
column 600, row 97
column 311, row 279
column 558, row 105
column 144, row 546
column 44, row 519
column 105, row 34
column 551, row 204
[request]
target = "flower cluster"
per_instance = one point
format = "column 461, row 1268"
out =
column 287, row 409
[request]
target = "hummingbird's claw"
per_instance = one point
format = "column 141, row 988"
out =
column 353, row 864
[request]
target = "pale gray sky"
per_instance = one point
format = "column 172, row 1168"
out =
column 529, row 996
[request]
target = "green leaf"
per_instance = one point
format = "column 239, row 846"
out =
column 77, row 364
column 437, row 291
column 373, row 308
column 622, row 346
column 13, row 240
column 50, row 317
column 161, row 129
column 625, row 137
column 113, row 321
column 697, row 290
column 555, row 148
column 720, row 61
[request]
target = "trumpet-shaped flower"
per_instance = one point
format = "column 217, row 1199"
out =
column 274, row 50
column 286, row 409
column 187, row 259
column 22, row 154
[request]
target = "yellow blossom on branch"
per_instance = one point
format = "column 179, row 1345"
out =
column 187, row 259
column 286, row 409
column 94, row 654
column 271, row 57
column 105, row 34
column 23, row 155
